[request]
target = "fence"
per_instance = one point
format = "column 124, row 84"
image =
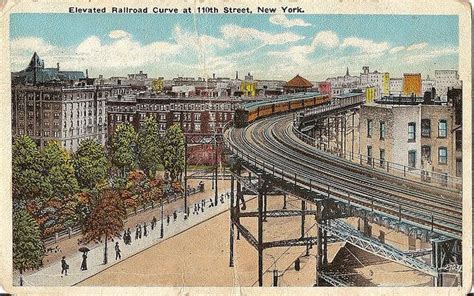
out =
column 67, row 233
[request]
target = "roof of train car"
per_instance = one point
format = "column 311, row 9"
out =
column 292, row 97
column 347, row 95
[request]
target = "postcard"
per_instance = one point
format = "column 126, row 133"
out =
column 236, row 147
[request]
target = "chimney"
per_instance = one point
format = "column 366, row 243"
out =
column 213, row 75
column 87, row 73
column 236, row 75
column 57, row 66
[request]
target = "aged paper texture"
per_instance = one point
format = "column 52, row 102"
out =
column 236, row 147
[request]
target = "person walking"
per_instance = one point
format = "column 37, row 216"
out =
column 64, row 266
column 117, row 251
column 153, row 223
column 136, row 232
column 84, row 261
column 167, row 219
column 144, row 229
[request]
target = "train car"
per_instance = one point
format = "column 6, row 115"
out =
column 259, row 109
column 296, row 104
column 265, row 110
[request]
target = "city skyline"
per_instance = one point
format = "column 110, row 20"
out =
column 268, row 46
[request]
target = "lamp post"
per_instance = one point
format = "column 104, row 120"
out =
column 161, row 230
column 185, row 178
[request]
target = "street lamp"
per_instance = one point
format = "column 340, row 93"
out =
column 162, row 230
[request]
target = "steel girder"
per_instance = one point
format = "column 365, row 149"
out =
column 329, row 278
column 358, row 239
column 303, row 241
column 278, row 213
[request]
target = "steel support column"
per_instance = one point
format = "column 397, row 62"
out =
column 237, row 201
column 232, row 209
column 260, row 235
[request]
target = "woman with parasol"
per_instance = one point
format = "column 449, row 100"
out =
column 84, row 251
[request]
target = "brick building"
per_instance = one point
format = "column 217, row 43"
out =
column 418, row 136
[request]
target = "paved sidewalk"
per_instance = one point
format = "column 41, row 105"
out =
column 51, row 275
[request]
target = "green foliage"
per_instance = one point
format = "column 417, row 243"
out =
column 173, row 151
column 28, row 180
column 54, row 155
column 123, row 148
column 149, row 147
column 28, row 249
column 90, row 164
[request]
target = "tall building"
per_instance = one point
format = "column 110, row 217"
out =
column 36, row 73
column 60, row 109
column 412, row 84
column 445, row 79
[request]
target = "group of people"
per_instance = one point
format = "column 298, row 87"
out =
column 127, row 235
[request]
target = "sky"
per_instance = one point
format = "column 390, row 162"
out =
column 267, row 46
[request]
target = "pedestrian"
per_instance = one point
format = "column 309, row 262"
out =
column 117, row 251
column 139, row 231
column 84, row 261
column 167, row 219
column 175, row 216
column 153, row 222
column 136, row 232
column 64, row 266
column 144, row 229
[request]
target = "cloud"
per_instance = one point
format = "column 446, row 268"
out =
column 327, row 39
column 197, row 42
column 365, row 45
column 117, row 34
column 282, row 20
column 30, row 44
column 417, row 46
column 234, row 32
column 397, row 49
column 430, row 55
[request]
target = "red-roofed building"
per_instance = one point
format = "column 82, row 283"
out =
column 297, row 84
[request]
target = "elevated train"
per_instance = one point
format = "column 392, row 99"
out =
column 256, row 110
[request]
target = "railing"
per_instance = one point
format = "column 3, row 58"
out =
column 400, row 170
column 389, row 209
column 442, row 179
column 67, row 233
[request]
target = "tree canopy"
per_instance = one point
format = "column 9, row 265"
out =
column 28, row 249
column 149, row 147
column 173, row 146
column 123, row 148
column 90, row 164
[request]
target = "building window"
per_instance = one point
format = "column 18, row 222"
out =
column 197, row 127
column 426, row 128
column 426, row 153
column 369, row 154
column 442, row 155
column 382, row 130
column 197, row 116
column 369, row 128
column 382, row 157
column 442, row 129
column 411, row 132
column 412, row 158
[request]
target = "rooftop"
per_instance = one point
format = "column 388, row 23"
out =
column 299, row 82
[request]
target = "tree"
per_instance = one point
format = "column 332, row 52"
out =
column 57, row 164
column 106, row 219
column 29, row 183
column 173, row 151
column 90, row 164
column 123, row 148
column 28, row 249
column 149, row 147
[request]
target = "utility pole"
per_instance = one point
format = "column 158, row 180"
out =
column 186, row 212
column 216, row 192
